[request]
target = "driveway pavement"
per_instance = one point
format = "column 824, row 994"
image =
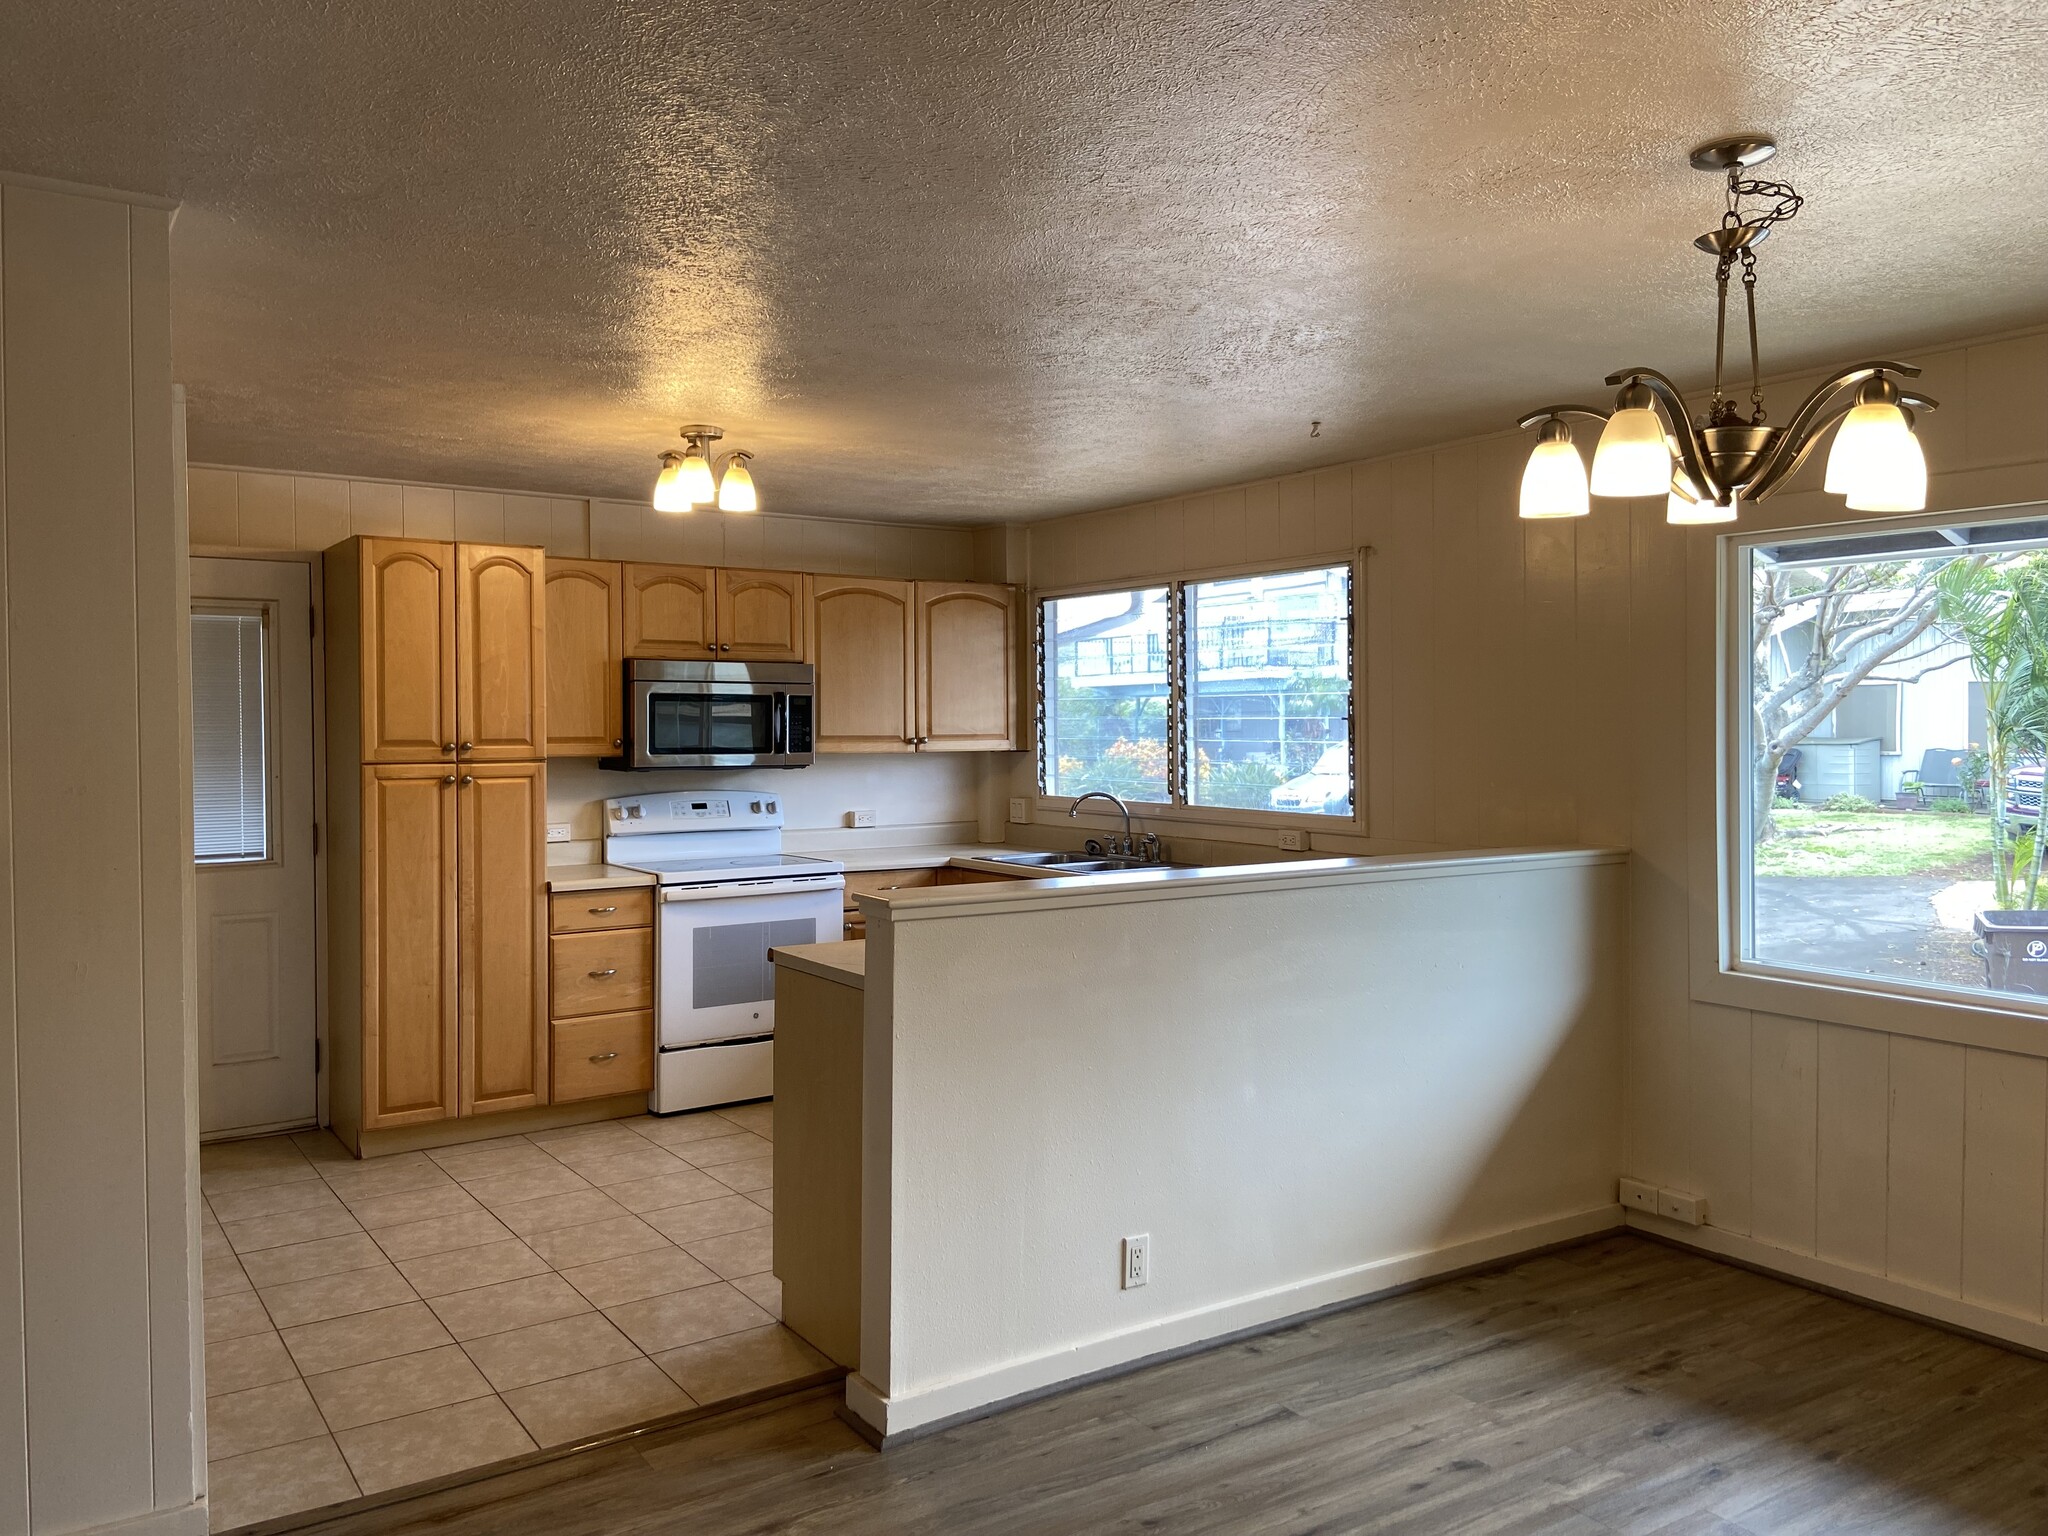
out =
column 1878, row 925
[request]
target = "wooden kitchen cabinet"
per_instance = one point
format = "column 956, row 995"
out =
column 392, row 603
column 603, row 972
column 602, row 993
column 501, row 683
column 764, row 616
column 408, row 1010
column 966, row 673
column 669, row 613
column 866, row 638
column 598, row 1057
column 502, row 939
column 585, row 646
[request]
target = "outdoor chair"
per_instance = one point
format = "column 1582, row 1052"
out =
column 1941, row 774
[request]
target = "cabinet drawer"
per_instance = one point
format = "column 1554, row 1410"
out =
column 581, row 911
column 604, row 972
column 611, row 1053
column 872, row 882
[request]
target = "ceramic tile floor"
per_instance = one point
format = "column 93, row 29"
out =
column 373, row 1324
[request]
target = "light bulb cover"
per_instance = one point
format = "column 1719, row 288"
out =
column 1875, row 461
column 736, row 486
column 694, row 478
column 1554, row 479
column 1633, row 458
column 668, row 486
column 1684, row 507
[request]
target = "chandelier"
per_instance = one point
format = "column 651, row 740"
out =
column 690, row 480
column 1706, row 469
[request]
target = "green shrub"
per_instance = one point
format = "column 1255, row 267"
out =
column 1785, row 803
column 1950, row 806
column 1847, row 803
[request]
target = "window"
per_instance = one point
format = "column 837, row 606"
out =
column 1890, row 730
column 1234, row 693
column 230, row 736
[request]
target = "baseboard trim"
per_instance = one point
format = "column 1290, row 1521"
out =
column 890, row 1421
column 185, row 1520
column 1886, row 1294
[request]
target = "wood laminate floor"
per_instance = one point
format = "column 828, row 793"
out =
column 1620, row 1386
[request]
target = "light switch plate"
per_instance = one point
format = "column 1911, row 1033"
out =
column 1020, row 809
column 558, row 831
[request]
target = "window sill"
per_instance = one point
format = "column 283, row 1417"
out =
column 1213, row 816
column 1895, row 1009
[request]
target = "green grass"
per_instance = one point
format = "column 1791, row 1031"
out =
column 1878, row 843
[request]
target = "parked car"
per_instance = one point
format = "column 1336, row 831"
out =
column 2023, row 795
column 1324, row 790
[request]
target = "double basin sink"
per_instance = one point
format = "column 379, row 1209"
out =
column 1053, row 864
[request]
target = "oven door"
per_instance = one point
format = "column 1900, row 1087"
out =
column 713, row 978
column 719, row 725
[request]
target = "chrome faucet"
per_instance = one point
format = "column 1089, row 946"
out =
column 1126, row 847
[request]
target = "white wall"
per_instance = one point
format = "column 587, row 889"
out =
column 1303, row 1090
column 1533, row 682
column 99, row 1342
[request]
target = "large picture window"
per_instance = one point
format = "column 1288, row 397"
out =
column 1233, row 693
column 1890, row 735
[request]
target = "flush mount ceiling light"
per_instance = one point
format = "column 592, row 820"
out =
column 688, row 479
column 1649, row 446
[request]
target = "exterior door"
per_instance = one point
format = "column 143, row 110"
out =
column 669, row 613
column 503, row 944
column 763, row 616
column 408, row 650
column 253, row 831
column 409, row 943
column 501, row 661
column 966, row 667
column 865, row 638
column 586, row 681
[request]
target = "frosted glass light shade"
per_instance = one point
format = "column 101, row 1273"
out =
column 1632, row 459
column 668, row 487
column 1876, row 462
column 1554, row 481
column 1686, row 514
column 695, row 479
column 736, row 487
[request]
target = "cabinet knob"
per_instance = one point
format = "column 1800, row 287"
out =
column 468, row 778
column 465, row 746
column 607, row 1056
column 449, row 780
column 449, row 748
column 726, row 647
column 617, row 744
column 600, row 975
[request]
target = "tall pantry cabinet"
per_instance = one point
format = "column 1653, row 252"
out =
column 437, row 805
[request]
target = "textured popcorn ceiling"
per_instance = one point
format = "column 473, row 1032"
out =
column 978, row 261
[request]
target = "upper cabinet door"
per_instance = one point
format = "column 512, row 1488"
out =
column 763, row 616
column 866, row 633
column 501, row 689
column 406, row 645
column 966, row 667
column 669, row 613
column 503, row 937
column 585, row 680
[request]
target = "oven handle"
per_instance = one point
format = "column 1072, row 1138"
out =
column 752, row 888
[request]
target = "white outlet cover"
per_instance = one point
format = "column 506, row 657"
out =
column 860, row 818
column 1020, row 809
column 1291, row 842
column 558, row 831
column 1137, row 1260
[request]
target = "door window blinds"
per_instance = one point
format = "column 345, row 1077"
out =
column 230, row 766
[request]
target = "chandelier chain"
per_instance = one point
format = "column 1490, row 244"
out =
column 1756, row 379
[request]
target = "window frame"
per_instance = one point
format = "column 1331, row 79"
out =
column 267, row 610
column 1180, row 808
column 1720, row 916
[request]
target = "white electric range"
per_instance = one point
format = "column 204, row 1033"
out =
column 726, row 894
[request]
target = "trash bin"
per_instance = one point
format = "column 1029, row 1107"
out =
column 2015, row 950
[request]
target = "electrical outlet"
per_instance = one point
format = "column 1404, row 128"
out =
column 1676, row 1205
column 1292, row 842
column 860, row 818
column 558, row 832
column 1638, row 1196
column 1020, row 809
column 1137, row 1260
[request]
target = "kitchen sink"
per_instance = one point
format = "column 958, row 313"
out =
column 1078, row 863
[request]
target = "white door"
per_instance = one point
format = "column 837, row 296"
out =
column 252, row 803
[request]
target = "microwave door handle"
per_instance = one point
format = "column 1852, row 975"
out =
column 779, row 728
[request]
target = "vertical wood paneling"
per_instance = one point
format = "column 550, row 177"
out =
column 1550, row 608
column 1468, row 744
column 1602, row 742
column 268, row 512
column 1332, row 501
column 13, row 1342
column 1784, row 1076
column 321, row 519
column 376, row 510
column 2005, row 1136
column 1852, row 1145
column 1924, row 1177
column 1720, row 1114
column 73, row 708
column 1408, row 577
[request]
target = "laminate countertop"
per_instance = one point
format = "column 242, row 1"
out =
column 594, row 877
column 907, row 856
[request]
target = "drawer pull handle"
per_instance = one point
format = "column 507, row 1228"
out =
column 607, row 1056
column 600, row 975
column 601, row 911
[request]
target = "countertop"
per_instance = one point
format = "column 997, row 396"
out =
column 594, row 877
column 908, row 856
column 844, row 961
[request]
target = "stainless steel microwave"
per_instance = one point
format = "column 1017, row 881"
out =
column 717, row 714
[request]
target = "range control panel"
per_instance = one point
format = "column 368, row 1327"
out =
column 728, row 810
